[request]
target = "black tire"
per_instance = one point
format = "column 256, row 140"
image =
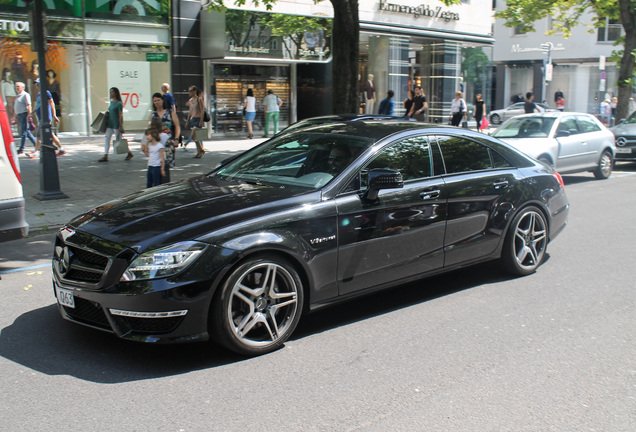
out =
column 258, row 306
column 495, row 119
column 605, row 166
column 526, row 242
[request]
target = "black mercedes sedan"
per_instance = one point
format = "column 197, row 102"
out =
column 308, row 218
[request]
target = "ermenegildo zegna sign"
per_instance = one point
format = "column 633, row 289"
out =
column 422, row 10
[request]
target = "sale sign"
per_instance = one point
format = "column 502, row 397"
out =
column 132, row 78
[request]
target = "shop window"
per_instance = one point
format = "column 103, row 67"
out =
column 519, row 30
column 610, row 32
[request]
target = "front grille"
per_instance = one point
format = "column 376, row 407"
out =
column 88, row 312
column 79, row 264
column 147, row 325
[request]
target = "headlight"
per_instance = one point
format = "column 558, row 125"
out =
column 163, row 262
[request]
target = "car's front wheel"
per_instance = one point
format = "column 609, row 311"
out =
column 495, row 119
column 526, row 242
column 258, row 306
column 605, row 165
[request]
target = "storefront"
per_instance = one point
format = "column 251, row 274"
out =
column 92, row 46
column 288, row 50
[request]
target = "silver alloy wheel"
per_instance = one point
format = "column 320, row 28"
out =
column 263, row 305
column 495, row 119
column 530, row 240
column 605, row 165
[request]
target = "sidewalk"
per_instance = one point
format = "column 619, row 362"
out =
column 88, row 182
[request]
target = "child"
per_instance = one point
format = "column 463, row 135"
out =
column 156, row 162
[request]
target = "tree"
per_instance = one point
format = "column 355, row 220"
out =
column 567, row 13
column 346, row 31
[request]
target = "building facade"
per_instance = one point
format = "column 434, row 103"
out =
column 580, row 70
column 93, row 45
column 136, row 45
column 288, row 50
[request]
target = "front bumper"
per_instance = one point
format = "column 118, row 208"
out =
column 87, row 283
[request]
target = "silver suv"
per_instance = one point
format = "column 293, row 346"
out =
column 13, row 224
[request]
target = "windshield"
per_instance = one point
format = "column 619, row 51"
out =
column 631, row 119
column 308, row 158
column 525, row 127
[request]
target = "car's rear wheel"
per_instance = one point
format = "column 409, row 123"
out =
column 605, row 165
column 526, row 242
column 258, row 306
column 495, row 119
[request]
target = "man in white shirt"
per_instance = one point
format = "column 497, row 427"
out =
column 22, row 109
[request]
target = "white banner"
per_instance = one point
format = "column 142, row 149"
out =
column 132, row 78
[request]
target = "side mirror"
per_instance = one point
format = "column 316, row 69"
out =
column 381, row 178
column 562, row 133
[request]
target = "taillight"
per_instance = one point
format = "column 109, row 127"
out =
column 8, row 140
column 559, row 179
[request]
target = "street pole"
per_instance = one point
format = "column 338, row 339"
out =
column 49, row 175
column 547, row 69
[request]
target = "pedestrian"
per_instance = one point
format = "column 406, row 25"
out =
column 195, row 117
column 408, row 103
column 114, row 123
column 170, row 123
column 606, row 111
column 165, row 89
column 613, row 104
column 459, row 109
column 22, row 109
column 154, row 149
column 52, row 119
column 560, row 103
column 7, row 89
column 387, row 105
column 420, row 105
column 529, row 106
column 271, row 106
column 249, row 105
column 480, row 111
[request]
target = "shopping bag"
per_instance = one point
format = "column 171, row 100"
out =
column 200, row 134
column 484, row 123
column 101, row 122
column 121, row 146
column 31, row 125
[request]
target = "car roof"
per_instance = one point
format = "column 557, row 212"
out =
column 550, row 114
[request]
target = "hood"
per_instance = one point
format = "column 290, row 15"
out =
column 186, row 210
column 624, row 129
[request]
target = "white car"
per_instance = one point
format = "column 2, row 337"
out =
column 498, row 116
column 13, row 224
column 568, row 141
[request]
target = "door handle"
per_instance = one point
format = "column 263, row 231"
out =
column 431, row 194
column 501, row 184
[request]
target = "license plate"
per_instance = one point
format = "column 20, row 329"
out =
column 65, row 297
column 623, row 150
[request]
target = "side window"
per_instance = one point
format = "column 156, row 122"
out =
column 411, row 157
column 462, row 155
column 498, row 161
column 568, row 124
column 587, row 124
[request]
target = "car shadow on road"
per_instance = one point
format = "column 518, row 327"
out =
column 42, row 341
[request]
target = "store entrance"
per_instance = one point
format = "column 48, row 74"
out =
column 228, row 87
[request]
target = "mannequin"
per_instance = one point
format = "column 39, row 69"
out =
column 369, row 95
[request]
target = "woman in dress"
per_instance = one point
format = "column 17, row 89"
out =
column 115, row 123
column 170, row 123
column 479, row 111
column 408, row 103
column 250, row 111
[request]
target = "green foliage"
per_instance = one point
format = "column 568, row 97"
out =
column 565, row 13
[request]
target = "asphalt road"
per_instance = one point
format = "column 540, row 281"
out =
column 471, row 351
